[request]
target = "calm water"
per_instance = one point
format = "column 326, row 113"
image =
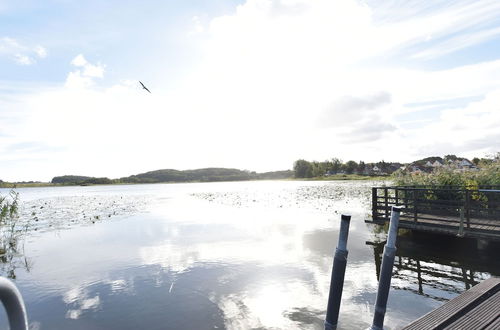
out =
column 244, row 255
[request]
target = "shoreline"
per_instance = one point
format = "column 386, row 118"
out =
column 336, row 177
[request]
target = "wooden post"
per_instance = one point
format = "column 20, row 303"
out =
column 386, row 197
column 467, row 207
column 415, row 205
column 419, row 278
column 466, row 280
column 397, row 197
column 374, row 204
column 461, row 225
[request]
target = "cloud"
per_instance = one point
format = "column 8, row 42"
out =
column 369, row 130
column 197, row 26
column 23, row 59
column 40, row 51
column 79, row 60
column 472, row 130
column 89, row 70
column 20, row 53
column 84, row 76
column 457, row 43
column 347, row 110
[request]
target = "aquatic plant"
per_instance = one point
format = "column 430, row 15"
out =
column 11, row 236
column 9, row 206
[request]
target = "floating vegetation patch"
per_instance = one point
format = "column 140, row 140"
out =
column 65, row 211
column 325, row 196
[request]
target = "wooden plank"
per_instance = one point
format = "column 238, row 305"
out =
column 495, row 325
column 480, row 317
column 456, row 308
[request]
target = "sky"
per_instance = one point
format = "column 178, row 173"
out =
column 248, row 84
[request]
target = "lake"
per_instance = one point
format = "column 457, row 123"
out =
column 235, row 255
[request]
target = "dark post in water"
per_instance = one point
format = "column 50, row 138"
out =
column 386, row 271
column 338, row 271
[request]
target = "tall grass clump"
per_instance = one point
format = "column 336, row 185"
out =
column 11, row 236
column 9, row 232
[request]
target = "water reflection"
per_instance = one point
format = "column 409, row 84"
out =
column 250, row 255
column 439, row 267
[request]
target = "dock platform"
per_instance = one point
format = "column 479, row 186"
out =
column 476, row 308
column 445, row 210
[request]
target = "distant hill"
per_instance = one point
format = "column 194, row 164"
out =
column 171, row 175
column 200, row 175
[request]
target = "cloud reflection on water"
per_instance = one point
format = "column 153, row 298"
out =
column 197, row 262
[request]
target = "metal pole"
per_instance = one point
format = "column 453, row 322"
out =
column 14, row 305
column 338, row 272
column 384, row 283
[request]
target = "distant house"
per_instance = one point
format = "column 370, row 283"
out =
column 435, row 164
column 414, row 168
column 465, row 163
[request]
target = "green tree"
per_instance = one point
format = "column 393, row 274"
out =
column 302, row 169
column 361, row 167
column 350, row 166
column 318, row 169
column 336, row 165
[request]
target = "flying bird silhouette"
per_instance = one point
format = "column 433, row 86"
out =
column 144, row 87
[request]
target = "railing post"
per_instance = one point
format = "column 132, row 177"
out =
column 374, row 204
column 384, row 283
column 386, row 197
column 467, row 207
column 396, row 195
column 415, row 218
column 461, row 226
column 338, row 272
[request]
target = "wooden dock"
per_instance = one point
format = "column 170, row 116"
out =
column 445, row 210
column 476, row 308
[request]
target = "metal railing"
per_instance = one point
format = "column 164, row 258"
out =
column 467, row 209
column 14, row 305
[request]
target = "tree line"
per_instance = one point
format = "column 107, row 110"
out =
column 306, row 169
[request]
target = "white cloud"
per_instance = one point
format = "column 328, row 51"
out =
column 40, row 51
column 83, row 76
column 79, row 60
column 459, row 42
column 197, row 26
column 20, row 53
column 23, row 59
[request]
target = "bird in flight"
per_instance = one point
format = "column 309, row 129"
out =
column 144, row 87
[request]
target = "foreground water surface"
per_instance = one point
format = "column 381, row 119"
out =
column 242, row 255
